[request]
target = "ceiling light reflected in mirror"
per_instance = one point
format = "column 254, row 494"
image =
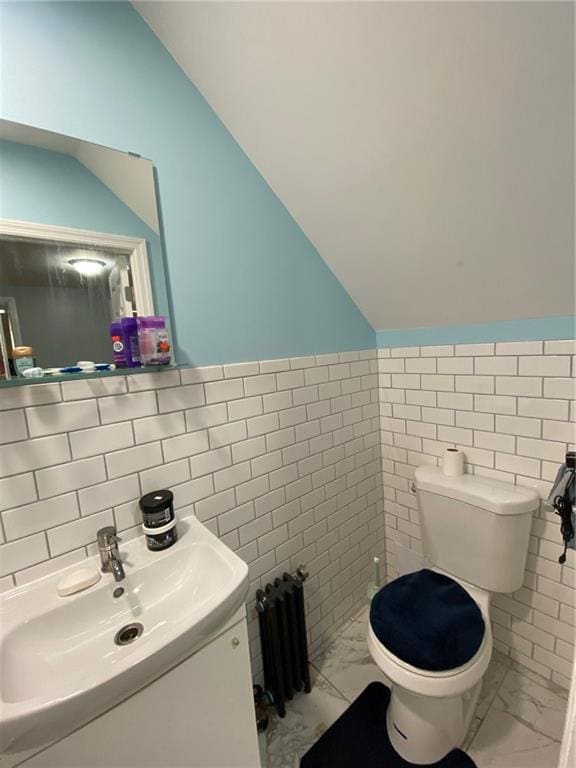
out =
column 88, row 267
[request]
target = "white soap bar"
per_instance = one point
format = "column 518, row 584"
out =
column 80, row 579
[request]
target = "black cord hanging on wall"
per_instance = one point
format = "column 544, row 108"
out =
column 563, row 498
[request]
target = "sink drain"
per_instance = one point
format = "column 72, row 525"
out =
column 128, row 634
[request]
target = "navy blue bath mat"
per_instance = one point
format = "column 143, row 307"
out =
column 358, row 739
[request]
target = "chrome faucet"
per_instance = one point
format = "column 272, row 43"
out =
column 109, row 556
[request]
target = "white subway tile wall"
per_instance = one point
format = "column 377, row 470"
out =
column 301, row 460
column 508, row 407
column 280, row 458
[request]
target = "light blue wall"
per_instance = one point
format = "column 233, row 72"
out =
column 51, row 188
column 245, row 281
column 530, row 329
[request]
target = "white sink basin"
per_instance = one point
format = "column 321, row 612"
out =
column 59, row 664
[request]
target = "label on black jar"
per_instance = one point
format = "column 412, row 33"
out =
column 161, row 540
column 156, row 519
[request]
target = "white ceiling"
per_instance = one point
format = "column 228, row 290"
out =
column 426, row 149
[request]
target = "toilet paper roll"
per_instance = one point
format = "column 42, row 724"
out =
column 453, row 462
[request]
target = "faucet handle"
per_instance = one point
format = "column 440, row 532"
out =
column 107, row 536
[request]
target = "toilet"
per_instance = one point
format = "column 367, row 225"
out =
column 429, row 631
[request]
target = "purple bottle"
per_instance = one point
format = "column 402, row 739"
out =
column 124, row 335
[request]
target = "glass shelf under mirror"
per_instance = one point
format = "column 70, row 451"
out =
column 53, row 378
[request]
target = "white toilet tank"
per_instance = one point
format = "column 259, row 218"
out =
column 475, row 529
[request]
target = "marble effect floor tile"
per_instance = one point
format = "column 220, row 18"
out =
column 491, row 682
column 307, row 717
column 523, row 726
column 538, row 702
column 347, row 662
column 505, row 742
column 493, row 678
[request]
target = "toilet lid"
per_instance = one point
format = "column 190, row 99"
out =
column 427, row 620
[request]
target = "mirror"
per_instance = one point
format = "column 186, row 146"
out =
column 80, row 251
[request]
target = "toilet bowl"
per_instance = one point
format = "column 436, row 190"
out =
column 430, row 632
column 430, row 711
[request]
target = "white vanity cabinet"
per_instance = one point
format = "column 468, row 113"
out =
column 200, row 714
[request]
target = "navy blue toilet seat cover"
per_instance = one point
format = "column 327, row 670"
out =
column 427, row 620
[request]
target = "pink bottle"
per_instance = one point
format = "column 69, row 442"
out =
column 153, row 341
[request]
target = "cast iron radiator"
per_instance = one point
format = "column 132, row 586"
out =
column 283, row 638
